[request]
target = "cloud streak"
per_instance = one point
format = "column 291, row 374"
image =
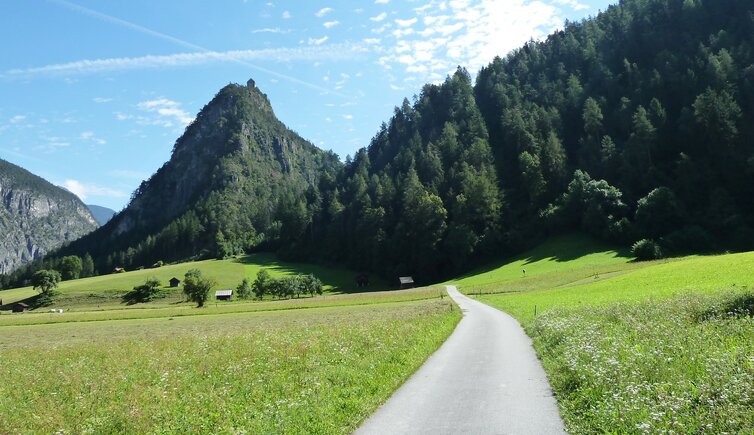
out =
column 92, row 66
column 180, row 42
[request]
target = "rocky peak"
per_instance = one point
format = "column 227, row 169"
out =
column 36, row 217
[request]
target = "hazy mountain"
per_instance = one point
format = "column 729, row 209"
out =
column 101, row 214
column 36, row 217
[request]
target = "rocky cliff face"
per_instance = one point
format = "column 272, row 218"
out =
column 36, row 217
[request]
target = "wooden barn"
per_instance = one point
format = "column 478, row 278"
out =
column 223, row 295
column 20, row 307
column 406, row 282
column 174, row 282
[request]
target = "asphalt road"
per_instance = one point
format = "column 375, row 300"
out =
column 485, row 379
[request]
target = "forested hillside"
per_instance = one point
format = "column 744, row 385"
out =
column 636, row 124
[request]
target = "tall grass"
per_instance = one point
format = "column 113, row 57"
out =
column 310, row 371
column 682, row 365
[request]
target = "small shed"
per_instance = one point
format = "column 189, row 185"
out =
column 174, row 282
column 223, row 295
column 20, row 307
column 406, row 282
column 119, row 270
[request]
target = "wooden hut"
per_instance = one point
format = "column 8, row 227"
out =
column 20, row 307
column 223, row 295
column 174, row 282
column 406, row 282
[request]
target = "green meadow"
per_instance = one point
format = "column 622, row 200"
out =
column 317, row 370
column 105, row 291
column 635, row 347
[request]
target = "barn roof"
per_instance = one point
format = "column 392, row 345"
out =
column 174, row 279
column 224, row 293
column 406, row 280
column 21, row 304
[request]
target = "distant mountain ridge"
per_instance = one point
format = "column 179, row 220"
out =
column 101, row 214
column 36, row 217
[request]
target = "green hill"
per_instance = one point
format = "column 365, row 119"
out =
column 105, row 291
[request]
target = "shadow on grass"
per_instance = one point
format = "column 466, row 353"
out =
column 340, row 280
column 34, row 302
column 560, row 249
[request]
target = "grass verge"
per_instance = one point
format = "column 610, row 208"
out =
column 682, row 365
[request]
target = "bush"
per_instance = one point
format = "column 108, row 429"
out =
column 146, row 292
column 646, row 249
column 196, row 287
column 245, row 289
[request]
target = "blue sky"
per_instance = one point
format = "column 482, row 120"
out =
column 95, row 93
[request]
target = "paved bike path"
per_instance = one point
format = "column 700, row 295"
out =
column 485, row 379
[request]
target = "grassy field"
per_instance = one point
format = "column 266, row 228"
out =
column 656, row 347
column 149, row 311
column 105, row 291
column 561, row 261
column 317, row 370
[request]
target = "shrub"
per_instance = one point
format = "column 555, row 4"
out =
column 646, row 249
column 196, row 287
column 146, row 292
column 245, row 289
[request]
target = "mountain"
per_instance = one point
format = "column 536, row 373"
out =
column 36, row 217
column 224, row 189
column 634, row 126
column 101, row 214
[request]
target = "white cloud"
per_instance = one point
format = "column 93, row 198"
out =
column 101, row 100
column 168, row 112
column 50, row 144
column 448, row 33
column 84, row 190
column 379, row 17
column 381, row 2
column 406, row 23
column 574, row 4
column 270, row 30
column 331, row 24
column 90, row 137
column 348, row 117
column 16, row 119
column 286, row 15
column 324, row 11
column 372, row 41
column 319, row 41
